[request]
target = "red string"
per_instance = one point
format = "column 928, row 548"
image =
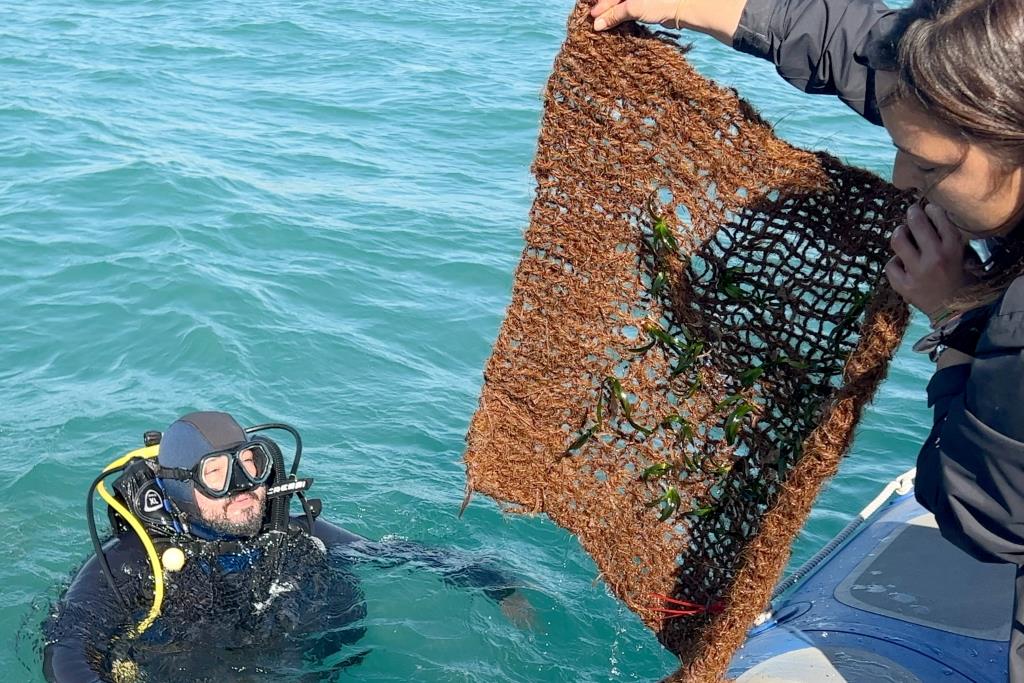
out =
column 684, row 608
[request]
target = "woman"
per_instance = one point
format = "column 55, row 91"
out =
column 945, row 78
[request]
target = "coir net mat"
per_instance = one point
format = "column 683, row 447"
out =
column 697, row 321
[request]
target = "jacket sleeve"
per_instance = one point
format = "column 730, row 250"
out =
column 820, row 46
column 970, row 472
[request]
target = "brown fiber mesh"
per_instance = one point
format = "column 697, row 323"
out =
column 698, row 319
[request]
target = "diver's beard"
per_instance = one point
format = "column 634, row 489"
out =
column 245, row 528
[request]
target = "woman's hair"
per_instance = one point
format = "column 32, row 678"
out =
column 962, row 61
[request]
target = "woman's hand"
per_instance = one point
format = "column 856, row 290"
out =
column 611, row 13
column 928, row 268
column 717, row 18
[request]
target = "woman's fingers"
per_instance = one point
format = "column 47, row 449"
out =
column 928, row 268
column 611, row 13
column 949, row 234
column 904, row 246
column 921, row 229
column 896, row 274
column 602, row 6
column 614, row 15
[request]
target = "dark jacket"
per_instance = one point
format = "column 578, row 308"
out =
column 970, row 471
column 89, row 619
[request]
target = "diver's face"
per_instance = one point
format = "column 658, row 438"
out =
column 966, row 180
column 240, row 514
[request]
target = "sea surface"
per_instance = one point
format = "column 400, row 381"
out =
column 310, row 211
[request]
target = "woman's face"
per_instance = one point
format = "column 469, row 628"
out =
column 964, row 179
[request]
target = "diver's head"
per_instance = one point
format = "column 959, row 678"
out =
column 215, row 474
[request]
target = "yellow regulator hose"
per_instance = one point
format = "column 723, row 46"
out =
column 147, row 543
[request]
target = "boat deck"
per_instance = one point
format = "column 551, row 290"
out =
column 896, row 603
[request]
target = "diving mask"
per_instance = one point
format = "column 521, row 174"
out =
column 228, row 471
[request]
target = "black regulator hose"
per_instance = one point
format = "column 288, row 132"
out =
column 287, row 428
column 101, row 557
column 278, row 506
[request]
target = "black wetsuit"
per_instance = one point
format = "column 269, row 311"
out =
column 970, row 471
column 318, row 616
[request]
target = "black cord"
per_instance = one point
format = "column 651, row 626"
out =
column 100, row 556
column 288, row 428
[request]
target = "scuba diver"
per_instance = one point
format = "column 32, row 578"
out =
column 208, row 572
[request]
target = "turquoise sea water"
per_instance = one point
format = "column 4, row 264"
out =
column 310, row 211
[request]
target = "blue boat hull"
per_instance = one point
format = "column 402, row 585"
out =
column 896, row 602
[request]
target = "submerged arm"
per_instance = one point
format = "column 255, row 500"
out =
column 456, row 568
